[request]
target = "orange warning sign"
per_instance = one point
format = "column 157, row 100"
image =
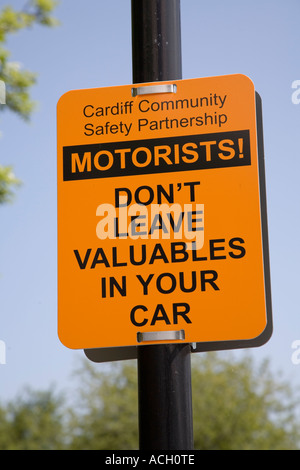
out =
column 159, row 214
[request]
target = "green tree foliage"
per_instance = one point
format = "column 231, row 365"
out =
column 240, row 407
column 236, row 406
column 17, row 80
column 107, row 417
column 7, row 180
column 34, row 421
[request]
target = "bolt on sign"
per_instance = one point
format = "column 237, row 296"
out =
column 161, row 216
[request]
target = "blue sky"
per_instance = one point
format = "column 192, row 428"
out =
column 92, row 48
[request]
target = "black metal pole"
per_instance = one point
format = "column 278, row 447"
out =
column 164, row 371
column 156, row 40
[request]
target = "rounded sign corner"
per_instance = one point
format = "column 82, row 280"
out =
column 265, row 335
column 245, row 80
column 64, row 341
column 63, row 97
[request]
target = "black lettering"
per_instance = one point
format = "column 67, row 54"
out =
column 113, row 283
column 117, row 232
column 192, row 189
column 213, row 248
column 115, row 260
column 183, row 313
column 176, row 227
column 148, row 199
column 82, row 264
column 132, row 255
column 103, row 258
column 204, row 279
column 193, row 284
column 85, row 108
column 158, row 224
column 145, row 283
column 195, row 254
column 178, row 252
column 117, row 197
column 90, row 128
column 159, row 283
column 160, row 315
column 158, row 253
column 241, row 249
column 103, row 287
column 169, row 196
column 132, row 315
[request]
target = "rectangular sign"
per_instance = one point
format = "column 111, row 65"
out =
column 161, row 216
